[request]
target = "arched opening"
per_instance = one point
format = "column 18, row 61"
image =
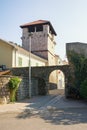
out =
column 53, row 80
column 61, row 80
column 44, row 78
column 57, row 81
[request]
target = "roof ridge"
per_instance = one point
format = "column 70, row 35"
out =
column 35, row 22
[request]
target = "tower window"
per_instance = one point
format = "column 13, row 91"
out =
column 39, row 28
column 31, row 29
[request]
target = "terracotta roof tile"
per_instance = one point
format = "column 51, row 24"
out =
column 39, row 22
column 35, row 23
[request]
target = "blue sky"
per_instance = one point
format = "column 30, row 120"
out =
column 68, row 17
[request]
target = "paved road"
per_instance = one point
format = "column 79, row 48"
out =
column 46, row 113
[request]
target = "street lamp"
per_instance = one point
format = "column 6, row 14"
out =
column 30, row 34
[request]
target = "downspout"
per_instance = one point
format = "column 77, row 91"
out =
column 15, row 57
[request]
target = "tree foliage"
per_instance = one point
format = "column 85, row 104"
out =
column 13, row 86
column 79, row 63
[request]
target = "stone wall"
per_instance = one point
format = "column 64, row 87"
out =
column 39, row 82
column 4, row 92
column 38, row 40
column 42, row 43
column 80, row 48
column 41, row 73
column 22, row 92
column 72, row 89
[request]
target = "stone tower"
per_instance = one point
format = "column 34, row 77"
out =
column 42, row 40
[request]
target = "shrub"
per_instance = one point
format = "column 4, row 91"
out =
column 79, row 64
column 13, row 86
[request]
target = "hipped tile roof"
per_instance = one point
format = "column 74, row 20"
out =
column 38, row 22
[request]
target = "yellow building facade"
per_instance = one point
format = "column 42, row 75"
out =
column 13, row 55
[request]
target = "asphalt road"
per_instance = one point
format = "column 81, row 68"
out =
column 47, row 113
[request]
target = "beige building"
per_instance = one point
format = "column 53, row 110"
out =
column 13, row 55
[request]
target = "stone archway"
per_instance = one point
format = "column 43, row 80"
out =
column 44, row 72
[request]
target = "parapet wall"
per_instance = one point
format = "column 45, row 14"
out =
column 80, row 48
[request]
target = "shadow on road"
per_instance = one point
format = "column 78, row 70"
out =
column 57, row 116
column 66, row 116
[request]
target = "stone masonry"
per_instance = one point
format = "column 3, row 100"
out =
column 78, row 47
column 42, row 42
column 41, row 73
column 4, row 92
column 23, row 90
column 38, row 74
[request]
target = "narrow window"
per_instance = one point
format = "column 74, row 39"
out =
column 39, row 28
column 19, row 61
column 31, row 29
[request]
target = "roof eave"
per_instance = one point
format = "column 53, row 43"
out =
column 48, row 22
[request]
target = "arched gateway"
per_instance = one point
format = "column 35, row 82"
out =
column 44, row 72
column 41, row 74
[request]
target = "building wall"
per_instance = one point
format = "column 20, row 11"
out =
column 51, row 43
column 35, row 62
column 25, row 61
column 21, row 60
column 38, row 41
column 42, row 42
column 51, row 49
column 51, row 59
column 5, row 54
column 15, row 56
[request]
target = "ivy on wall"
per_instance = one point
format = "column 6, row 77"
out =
column 78, row 63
